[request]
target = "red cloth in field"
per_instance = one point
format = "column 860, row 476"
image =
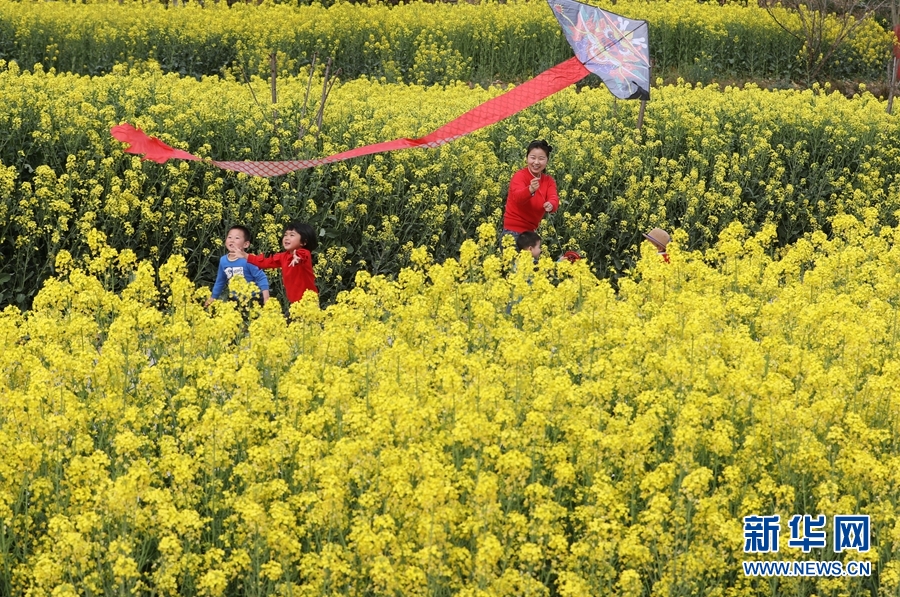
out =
column 524, row 211
column 490, row 112
column 152, row 148
column 297, row 278
column 897, row 48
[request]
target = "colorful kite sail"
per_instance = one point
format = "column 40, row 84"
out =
column 611, row 46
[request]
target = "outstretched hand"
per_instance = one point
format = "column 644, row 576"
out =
column 295, row 259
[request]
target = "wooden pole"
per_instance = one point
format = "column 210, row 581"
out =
column 640, row 122
column 890, row 101
column 324, row 96
column 273, row 71
column 301, row 130
column 895, row 19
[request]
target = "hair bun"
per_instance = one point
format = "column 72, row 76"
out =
column 539, row 144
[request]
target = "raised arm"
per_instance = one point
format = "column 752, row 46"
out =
column 264, row 262
column 519, row 190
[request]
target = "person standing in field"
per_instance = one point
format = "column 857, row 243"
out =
column 234, row 263
column 532, row 192
column 295, row 262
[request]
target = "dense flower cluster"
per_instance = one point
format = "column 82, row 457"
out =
column 705, row 157
column 474, row 427
column 413, row 43
column 448, row 418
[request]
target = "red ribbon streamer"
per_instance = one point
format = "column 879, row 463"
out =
column 490, row 112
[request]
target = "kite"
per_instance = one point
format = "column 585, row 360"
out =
column 611, row 46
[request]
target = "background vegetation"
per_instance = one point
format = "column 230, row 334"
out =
column 415, row 43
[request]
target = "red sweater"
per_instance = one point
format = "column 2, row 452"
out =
column 297, row 278
column 524, row 210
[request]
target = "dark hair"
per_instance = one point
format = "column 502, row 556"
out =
column 307, row 234
column 526, row 240
column 539, row 144
column 244, row 230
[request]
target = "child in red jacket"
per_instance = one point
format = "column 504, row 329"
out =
column 295, row 261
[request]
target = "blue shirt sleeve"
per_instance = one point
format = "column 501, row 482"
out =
column 259, row 276
column 221, row 278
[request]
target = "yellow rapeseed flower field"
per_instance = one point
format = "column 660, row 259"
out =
column 450, row 418
column 706, row 156
column 472, row 427
column 414, row 42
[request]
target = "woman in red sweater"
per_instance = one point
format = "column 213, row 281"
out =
column 532, row 192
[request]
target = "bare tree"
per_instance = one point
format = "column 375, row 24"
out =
column 821, row 25
column 329, row 79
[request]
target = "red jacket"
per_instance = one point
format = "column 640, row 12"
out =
column 297, row 278
column 524, row 211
